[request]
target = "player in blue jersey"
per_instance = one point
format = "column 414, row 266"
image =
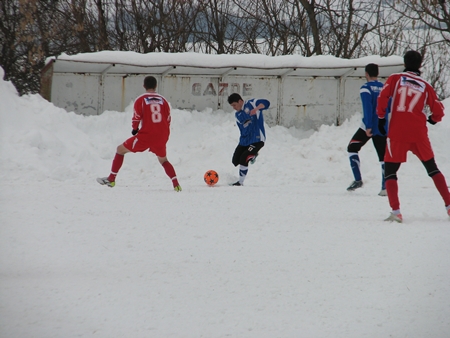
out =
column 369, row 128
column 250, row 120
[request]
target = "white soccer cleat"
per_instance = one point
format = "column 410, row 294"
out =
column 394, row 218
column 383, row 192
column 105, row 181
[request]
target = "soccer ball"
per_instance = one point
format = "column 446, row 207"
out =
column 211, row 177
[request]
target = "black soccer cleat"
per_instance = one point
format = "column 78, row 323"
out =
column 355, row 185
column 237, row 184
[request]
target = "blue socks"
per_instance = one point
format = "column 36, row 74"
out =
column 242, row 173
column 354, row 163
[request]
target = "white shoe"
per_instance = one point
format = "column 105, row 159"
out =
column 105, row 181
column 395, row 218
column 383, row 192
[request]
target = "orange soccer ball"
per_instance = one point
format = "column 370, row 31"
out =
column 211, row 177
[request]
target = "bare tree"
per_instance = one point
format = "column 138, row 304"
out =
column 435, row 14
column 217, row 27
column 10, row 18
column 387, row 39
column 102, row 19
column 281, row 27
column 25, row 30
column 348, row 24
column 313, row 14
column 31, row 30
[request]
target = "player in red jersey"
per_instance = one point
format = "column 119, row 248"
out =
column 151, row 130
column 407, row 130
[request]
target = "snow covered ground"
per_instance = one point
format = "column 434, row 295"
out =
column 291, row 254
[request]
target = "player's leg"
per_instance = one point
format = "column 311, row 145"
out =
column 237, row 154
column 160, row 152
column 439, row 181
column 251, row 155
column 117, row 162
column 395, row 155
column 424, row 152
column 249, row 152
column 115, row 166
column 236, row 159
column 379, row 143
column 358, row 140
column 390, row 172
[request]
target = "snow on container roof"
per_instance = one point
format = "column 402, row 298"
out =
column 123, row 62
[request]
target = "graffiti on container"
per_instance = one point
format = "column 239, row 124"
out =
column 224, row 89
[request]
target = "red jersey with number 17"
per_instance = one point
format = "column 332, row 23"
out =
column 152, row 117
column 410, row 93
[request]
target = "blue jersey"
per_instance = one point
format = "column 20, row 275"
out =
column 369, row 94
column 251, row 126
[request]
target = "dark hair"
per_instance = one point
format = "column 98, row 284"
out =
column 150, row 82
column 412, row 60
column 235, row 97
column 372, row 70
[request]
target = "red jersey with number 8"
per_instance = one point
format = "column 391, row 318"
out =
column 407, row 118
column 152, row 117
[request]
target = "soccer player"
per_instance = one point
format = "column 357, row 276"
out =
column 369, row 128
column 250, row 120
column 407, row 128
column 150, row 129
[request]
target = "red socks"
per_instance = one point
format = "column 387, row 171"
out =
column 439, row 182
column 392, row 192
column 441, row 186
column 116, row 165
column 118, row 161
column 170, row 171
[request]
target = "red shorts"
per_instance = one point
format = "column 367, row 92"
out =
column 396, row 151
column 138, row 144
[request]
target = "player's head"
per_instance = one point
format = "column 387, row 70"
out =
column 372, row 70
column 150, row 82
column 412, row 60
column 236, row 101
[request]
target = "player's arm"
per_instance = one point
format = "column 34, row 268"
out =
column 243, row 119
column 168, row 109
column 383, row 98
column 436, row 107
column 259, row 104
column 262, row 104
column 366, row 100
column 137, row 114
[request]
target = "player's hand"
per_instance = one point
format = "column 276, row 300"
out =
column 369, row 132
column 255, row 110
column 134, row 131
column 430, row 121
column 381, row 124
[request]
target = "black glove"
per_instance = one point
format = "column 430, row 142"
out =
column 381, row 124
column 430, row 121
column 134, row 131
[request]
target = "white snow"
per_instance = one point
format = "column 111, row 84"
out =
column 226, row 60
column 290, row 254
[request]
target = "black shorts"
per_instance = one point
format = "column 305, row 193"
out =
column 360, row 139
column 243, row 154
